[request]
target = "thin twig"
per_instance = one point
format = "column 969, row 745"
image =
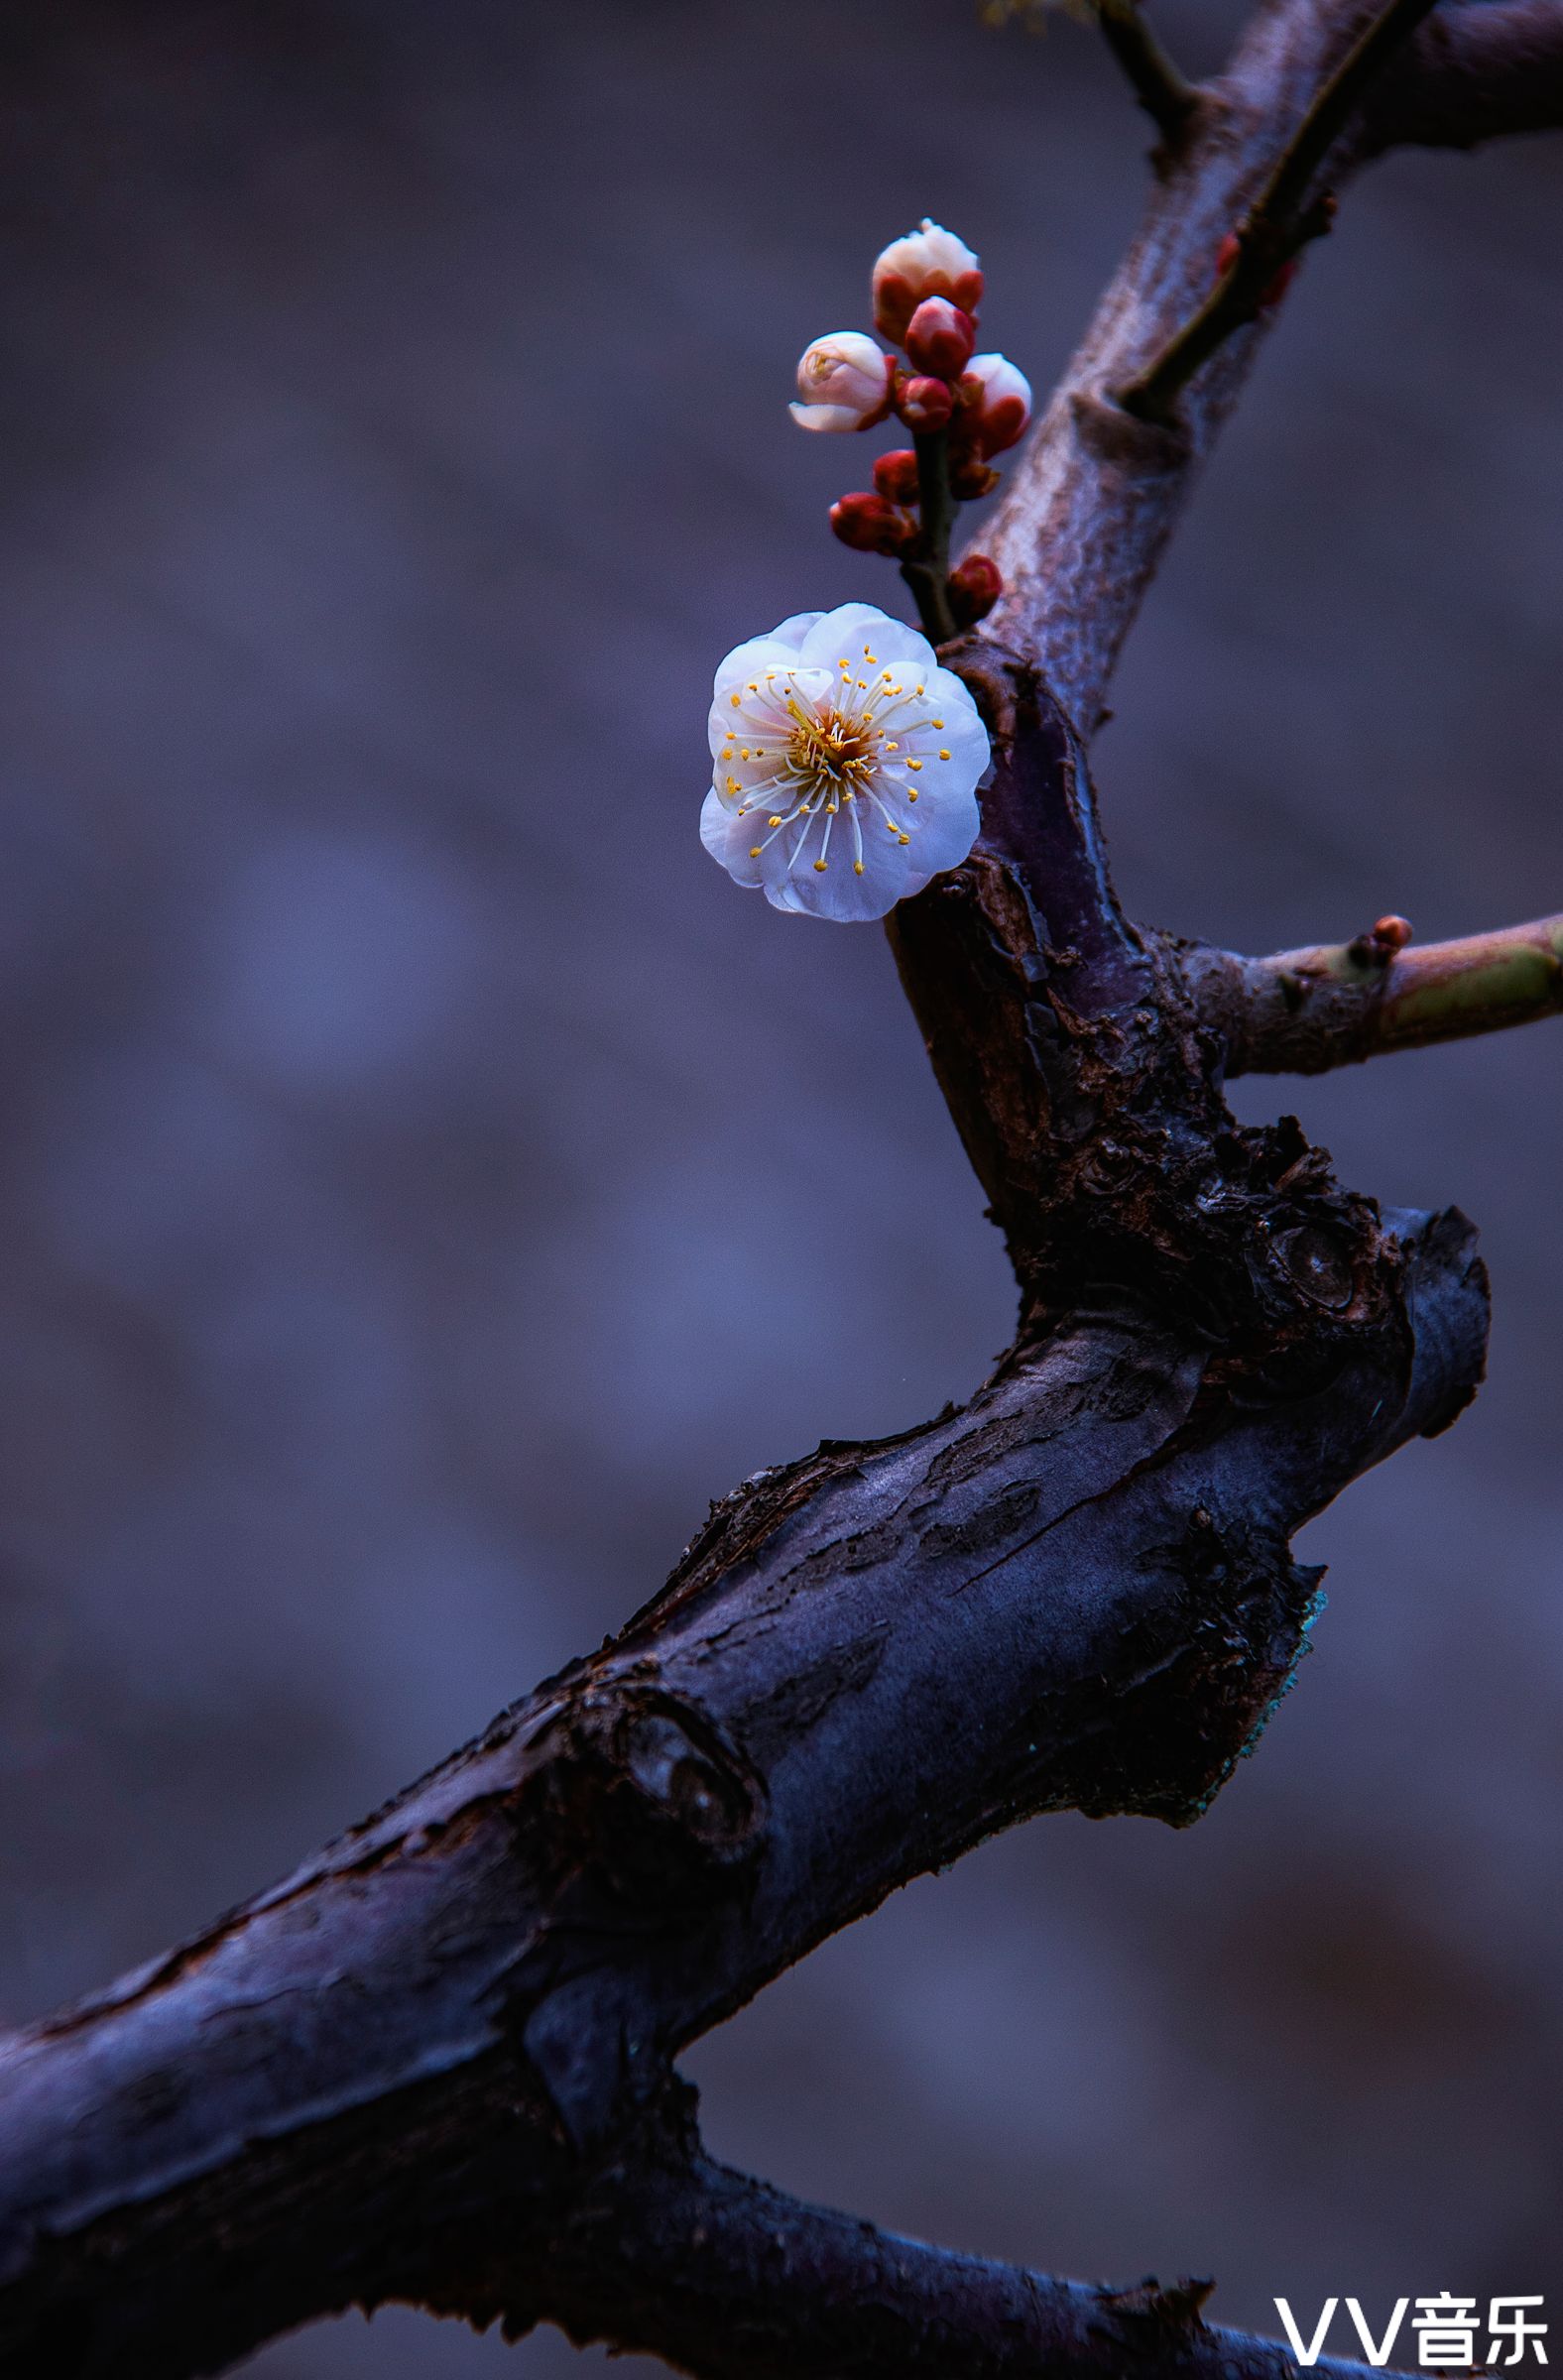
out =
column 1306, row 1011
column 928, row 571
column 730, row 2280
column 1159, row 85
column 1279, row 224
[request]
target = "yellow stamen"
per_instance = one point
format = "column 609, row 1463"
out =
column 754, row 850
column 910, row 764
column 944, row 756
column 857, row 866
column 820, row 867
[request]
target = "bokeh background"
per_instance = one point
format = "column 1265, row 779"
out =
column 425, row 1180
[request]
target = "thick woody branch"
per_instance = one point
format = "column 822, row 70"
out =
column 401, row 2070
column 1476, row 69
column 730, row 2280
column 1304, row 1011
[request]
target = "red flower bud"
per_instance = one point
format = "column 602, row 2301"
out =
column 941, row 338
column 925, row 403
column 896, row 476
column 969, row 478
column 868, row 524
column 1226, row 256
column 1392, row 932
column 974, row 589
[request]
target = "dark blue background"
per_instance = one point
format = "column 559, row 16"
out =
column 424, row 1180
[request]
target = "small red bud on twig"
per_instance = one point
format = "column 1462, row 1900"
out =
column 1226, row 256
column 868, row 524
column 941, row 338
column 971, row 478
column 896, row 475
column 1378, row 946
column 974, row 589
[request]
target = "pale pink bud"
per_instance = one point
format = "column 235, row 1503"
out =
column 925, row 403
column 940, row 338
column 930, row 262
column 1001, row 403
column 844, row 381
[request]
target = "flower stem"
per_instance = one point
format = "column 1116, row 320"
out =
column 926, row 570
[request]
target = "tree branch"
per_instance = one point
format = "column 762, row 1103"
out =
column 1304, row 1011
column 1168, row 98
column 1477, row 68
column 405, row 2072
column 1074, row 1592
column 729, row 2280
column 1282, row 219
column 1095, row 495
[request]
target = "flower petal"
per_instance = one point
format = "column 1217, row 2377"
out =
column 841, row 635
column 748, row 660
column 826, row 417
column 945, row 833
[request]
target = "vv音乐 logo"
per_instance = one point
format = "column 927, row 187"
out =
column 1446, row 2330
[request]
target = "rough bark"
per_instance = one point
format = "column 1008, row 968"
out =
column 436, row 2064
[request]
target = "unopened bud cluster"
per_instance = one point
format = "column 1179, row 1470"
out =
column 960, row 406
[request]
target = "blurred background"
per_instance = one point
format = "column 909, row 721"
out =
column 426, row 1180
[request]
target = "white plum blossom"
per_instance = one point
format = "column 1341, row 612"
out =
column 844, row 381
column 845, row 765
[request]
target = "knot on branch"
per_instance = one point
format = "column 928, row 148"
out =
column 646, row 1795
column 1131, row 442
column 1174, row 2307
